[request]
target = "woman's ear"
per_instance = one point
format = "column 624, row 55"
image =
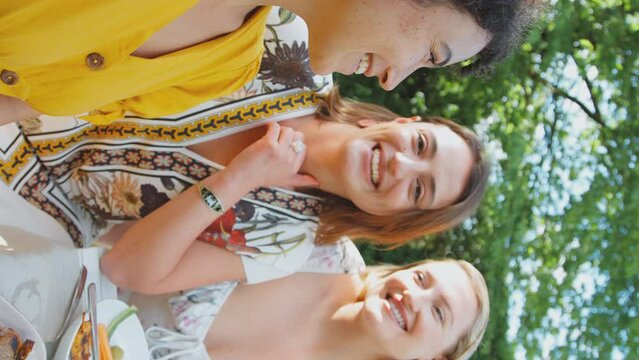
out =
column 364, row 123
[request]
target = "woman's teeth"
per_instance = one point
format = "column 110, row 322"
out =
column 375, row 167
column 364, row 63
column 397, row 315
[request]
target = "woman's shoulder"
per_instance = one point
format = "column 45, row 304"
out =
column 342, row 257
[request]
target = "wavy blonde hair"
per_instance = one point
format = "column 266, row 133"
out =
column 468, row 343
column 342, row 218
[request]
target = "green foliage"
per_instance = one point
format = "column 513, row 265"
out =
column 558, row 231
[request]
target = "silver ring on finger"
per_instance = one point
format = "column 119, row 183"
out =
column 297, row 146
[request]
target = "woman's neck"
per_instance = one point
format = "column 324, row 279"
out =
column 324, row 147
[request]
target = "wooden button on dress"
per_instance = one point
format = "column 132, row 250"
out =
column 94, row 61
column 9, row 77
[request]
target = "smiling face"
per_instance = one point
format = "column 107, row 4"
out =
column 390, row 39
column 403, row 165
column 420, row 312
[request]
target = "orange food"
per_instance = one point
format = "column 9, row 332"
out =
column 24, row 350
column 103, row 342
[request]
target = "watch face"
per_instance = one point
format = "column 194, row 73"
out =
column 209, row 199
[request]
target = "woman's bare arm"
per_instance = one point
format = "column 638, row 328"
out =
column 202, row 264
column 156, row 246
column 13, row 109
column 159, row 253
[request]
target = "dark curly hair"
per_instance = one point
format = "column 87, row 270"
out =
column 505, row 20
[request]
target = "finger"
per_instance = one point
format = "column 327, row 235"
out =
column 304, row 180
column 298, row 136
column 286, row 135
column 273, row 131
column 299, row 157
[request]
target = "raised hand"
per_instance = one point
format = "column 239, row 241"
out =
column 274, row 160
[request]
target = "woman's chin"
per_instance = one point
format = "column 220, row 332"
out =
column 373, row 210
column 319, row 66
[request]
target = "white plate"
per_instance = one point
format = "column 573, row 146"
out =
column 129, row 334
column 11, row 317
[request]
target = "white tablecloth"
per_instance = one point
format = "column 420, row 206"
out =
column 40, row 266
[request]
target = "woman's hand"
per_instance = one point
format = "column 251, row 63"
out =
column 13, row 109
column 272, row 161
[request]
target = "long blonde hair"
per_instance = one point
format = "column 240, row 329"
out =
column 342, row 218
column 468, row 343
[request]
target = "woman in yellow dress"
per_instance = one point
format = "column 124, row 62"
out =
column 162, row 57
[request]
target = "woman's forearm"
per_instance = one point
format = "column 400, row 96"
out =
column 153, row 248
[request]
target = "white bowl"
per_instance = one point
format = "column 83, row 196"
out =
column 11, row 317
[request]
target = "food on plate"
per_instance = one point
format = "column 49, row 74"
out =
column 82, row 342
column 81, row 347
column 117, row 352
column 24, row 350
column 120, row 318
column 9, row 343
column 11, row 346
column 103, row 343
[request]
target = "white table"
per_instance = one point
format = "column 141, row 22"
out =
column 40, row 266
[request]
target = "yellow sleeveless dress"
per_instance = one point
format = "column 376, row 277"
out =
column 70, row 57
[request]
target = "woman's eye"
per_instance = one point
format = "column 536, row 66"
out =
column 440, row 314
column 418, row 191
column 421, row 278
column 421, row 143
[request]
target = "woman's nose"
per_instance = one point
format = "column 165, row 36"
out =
column 415, row 300
column 391, row 77
column 395, row 74
column 403, row 166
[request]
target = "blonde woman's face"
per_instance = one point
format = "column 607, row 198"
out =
column 390, row 39
column 421, row 312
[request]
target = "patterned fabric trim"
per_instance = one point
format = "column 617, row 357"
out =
column 123, row 130
column 294, row 203
column 17, row 157
column 40, row 192
column 16, row 163
column 177, row 162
